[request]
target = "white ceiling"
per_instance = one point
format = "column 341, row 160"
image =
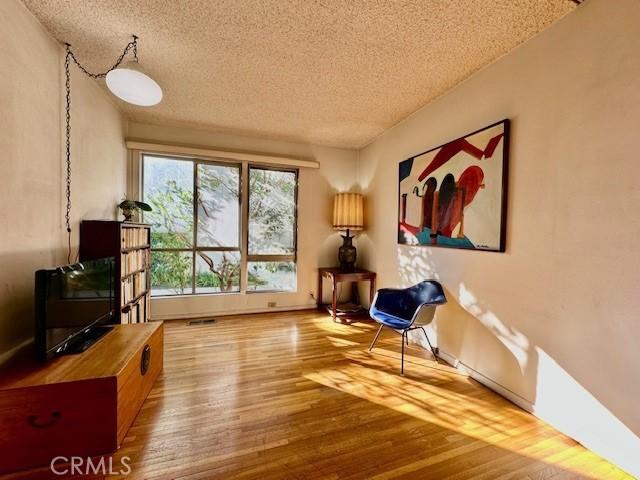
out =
column 320, row 71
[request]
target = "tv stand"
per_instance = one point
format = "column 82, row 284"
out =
column 77, row 405
column 82, row 342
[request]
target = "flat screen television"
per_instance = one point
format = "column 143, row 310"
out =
column 74, row 305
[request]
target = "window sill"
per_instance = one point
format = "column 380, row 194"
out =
column 254, row 292
column 195, row 295
column 223, row 294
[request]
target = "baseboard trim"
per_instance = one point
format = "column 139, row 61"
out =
column 450, row 359
column 487, row 382
column 229, row 313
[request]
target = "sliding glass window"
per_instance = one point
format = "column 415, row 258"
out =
column 197, row 242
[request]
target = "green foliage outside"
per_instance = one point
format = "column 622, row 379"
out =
column 271, row 213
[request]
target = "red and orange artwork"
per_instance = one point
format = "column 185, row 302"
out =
column 455, row 195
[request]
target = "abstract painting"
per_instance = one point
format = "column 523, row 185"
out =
column 456, row 195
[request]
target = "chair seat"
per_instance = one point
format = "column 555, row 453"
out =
column 389, row 320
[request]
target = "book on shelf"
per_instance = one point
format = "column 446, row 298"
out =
column 136, row 313
column 133, row 286
column 134, row 261
column 129, row 243
column 133, row 237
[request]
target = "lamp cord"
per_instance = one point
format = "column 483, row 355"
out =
column 133, row 44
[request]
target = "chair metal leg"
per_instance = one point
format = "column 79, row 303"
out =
column 376, row 337
column 404, row 332
column 433, row 352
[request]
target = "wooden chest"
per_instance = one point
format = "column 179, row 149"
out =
column 77, row 405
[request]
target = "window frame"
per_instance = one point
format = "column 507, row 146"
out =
column 137, row 191
column 257, row 258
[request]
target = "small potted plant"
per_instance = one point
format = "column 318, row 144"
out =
column 130, row 209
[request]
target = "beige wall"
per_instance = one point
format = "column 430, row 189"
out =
column 556, row 318
column 317, row 242
column 32, row 233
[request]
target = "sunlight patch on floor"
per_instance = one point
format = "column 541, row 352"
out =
column 435, row 398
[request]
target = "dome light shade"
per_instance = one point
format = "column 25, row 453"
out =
column 129, row 83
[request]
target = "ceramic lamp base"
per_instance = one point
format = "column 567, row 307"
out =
column 347, row 254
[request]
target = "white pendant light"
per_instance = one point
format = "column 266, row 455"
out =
column 129, row 83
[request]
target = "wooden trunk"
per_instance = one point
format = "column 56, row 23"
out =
column 77, row 405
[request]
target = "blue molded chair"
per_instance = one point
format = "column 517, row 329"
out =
column 398, row 309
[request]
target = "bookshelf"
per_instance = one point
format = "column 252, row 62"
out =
column 129, row 243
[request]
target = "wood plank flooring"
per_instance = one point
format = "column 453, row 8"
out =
column 296, row 396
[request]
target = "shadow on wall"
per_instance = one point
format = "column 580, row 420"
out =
column 17, row 284
column 480, row 338
column 16, row 318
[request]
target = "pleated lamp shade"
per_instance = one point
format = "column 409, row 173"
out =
column 348, row 211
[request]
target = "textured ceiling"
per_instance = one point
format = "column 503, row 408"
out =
column 327, row 72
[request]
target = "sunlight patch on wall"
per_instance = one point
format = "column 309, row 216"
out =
column 515, row 341
column 560, row 400
column 415, row 265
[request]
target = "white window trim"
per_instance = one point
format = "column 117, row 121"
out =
column 219, row 155
column 134, row 191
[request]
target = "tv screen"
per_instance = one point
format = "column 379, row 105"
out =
column 69, row 301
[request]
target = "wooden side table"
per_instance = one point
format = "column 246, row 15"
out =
column 335, row 275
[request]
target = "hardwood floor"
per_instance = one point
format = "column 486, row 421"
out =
column 296, row 396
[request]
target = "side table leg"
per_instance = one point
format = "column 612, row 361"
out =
column 372, row 290
column 334, row 299
column 355, row 294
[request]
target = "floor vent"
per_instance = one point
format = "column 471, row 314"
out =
column 201, row 321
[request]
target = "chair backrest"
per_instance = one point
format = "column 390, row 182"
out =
column 427, row 291
column 406, row 303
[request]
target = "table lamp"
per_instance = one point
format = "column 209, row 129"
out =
column 347, row 215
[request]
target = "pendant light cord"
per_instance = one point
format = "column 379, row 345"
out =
column 67, row 215
column 133, row 44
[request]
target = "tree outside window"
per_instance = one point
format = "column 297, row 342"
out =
column 197, row 226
